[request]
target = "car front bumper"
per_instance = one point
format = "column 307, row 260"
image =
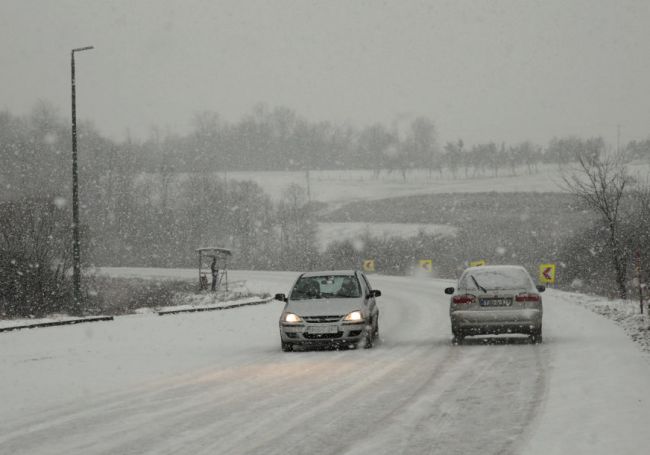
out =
column 323, row 334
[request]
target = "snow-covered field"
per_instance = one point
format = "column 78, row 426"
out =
column 217, row 382
column 342, row 186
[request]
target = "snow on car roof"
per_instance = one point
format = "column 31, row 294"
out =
column 495, row 267
column 496, row 277
column 328, row 273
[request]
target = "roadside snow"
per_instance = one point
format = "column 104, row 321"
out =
column 202, row 304
column 596, row 399
column 237, row 294
column 625, row 313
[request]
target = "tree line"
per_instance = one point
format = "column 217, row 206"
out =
column 35, row 148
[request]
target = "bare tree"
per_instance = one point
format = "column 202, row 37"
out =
column 424, row 144
column 35, row 254
column 298, row 229
column 600, row 183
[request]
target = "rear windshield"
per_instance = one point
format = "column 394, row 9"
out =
column 330, row 286
column 495, row 279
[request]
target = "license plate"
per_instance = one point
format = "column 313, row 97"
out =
column 495, row 302
column 323, row 329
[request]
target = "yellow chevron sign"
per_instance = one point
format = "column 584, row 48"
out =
column 369, row 265
column 478, row 263
column 547, row 273
column 426, row 265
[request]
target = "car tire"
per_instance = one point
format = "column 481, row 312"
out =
column 375, row 332
column 287, row 347
column 536, row 336
column 367, row 341
column 458, row 337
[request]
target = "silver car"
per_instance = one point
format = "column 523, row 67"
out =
column 329, row 308
column 494, row 300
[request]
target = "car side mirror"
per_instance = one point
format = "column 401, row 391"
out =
column 375, row 293
column 449, row 291
column 280, row 297
column 541, row 288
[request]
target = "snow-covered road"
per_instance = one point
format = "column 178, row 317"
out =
column 217, row 382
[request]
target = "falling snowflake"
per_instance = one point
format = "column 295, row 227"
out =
column 60, row 202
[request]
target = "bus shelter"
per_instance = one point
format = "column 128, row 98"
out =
column 213, row 268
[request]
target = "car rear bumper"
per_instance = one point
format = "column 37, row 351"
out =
column 497, row 321
column 307, row 334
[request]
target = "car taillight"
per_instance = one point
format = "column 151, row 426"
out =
column 463, row 299
column 527, row 298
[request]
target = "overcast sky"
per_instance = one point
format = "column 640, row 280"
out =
column 505, row 70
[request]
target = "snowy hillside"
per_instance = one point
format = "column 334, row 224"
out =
column 341, row 187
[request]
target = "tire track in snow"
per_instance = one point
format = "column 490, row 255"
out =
column 474, row 411
column 168, row 403
column 335, row 428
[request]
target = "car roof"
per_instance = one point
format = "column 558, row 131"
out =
column 494, row 267
column 329, row 272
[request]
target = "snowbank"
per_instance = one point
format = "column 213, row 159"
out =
column 625, row 313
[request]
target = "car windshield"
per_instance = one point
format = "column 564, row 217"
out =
column 326, row 286
column 495, row 279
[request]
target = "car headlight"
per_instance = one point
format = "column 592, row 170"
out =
column 291, row 318
column 355, row 316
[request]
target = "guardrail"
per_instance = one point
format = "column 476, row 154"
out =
column 215, row 308
column 110, row 318
column 55, row 323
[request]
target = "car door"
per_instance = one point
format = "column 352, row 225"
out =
column 369, row 299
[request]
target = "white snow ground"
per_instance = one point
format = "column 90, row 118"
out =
column 337, row 187
column 341, row 186
column 626, row 313
column 217, row 382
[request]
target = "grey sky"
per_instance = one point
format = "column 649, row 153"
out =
column 504, row 70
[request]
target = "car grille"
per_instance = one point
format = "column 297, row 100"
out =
column 320, row 336
column 320, row 319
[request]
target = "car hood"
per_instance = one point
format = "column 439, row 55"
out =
column 324, row 307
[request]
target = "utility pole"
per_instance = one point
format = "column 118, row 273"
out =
column 638, row 278
column 76, row 253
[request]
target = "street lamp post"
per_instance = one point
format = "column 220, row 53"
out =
column 76, row 254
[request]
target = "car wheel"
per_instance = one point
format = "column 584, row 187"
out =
column 375, row 332
column 367, row 341
column 536, row 336
column 458, row 337
column 287, row 347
